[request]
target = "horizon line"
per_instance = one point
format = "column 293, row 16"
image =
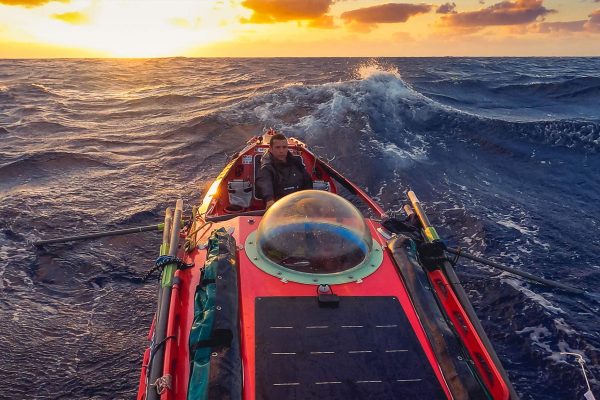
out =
column 282, row 57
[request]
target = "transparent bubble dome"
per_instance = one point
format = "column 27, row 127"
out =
column 315, row 232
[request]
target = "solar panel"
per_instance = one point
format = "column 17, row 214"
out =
column 363, row 349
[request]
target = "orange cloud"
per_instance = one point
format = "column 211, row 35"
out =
column 29, row 3
column 504, row 13
column 271, row 11
column 385, row 13
column 74, row 18
column 323, row 22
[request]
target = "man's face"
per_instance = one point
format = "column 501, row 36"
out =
column 279, row 149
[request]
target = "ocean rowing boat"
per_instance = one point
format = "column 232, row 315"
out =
column 312, row 299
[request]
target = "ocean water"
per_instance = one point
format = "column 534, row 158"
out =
column 503, row 152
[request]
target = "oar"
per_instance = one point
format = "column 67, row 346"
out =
column 164, row 300
column 514, row 271
column 158, row 227
column 432, row 236
column 97, row 235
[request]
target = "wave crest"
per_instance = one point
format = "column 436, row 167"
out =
column 373, row 68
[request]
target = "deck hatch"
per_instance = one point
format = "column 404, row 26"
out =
column 364, row 349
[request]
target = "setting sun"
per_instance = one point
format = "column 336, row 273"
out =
column 123, row 30
column 133, row 29
column 160, row 28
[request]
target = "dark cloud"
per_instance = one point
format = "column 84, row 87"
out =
column 447, row 8
column 385, row 13
column 593, row 24
column 29, row 3
column 504, row 13
column 570, row 26
column 271, row 11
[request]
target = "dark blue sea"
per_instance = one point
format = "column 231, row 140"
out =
column 503, row 152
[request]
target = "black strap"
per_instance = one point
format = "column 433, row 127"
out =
column 397, row 226
column 432, row 254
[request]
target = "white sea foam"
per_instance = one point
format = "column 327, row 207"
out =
column 293, row 84
column 511, row 224
column 533, row 296
column 540, row 336
column 396, row 157
column 520, row 220
column 3, row 256
column 562, row 326
column 535, row 332
column 372, row 68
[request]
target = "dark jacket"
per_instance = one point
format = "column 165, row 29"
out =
column 275, row 180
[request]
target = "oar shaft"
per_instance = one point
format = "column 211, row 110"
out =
column 175, row 230
column 418, row 209
column 97, row 235
column 164, row 301
column 516, row 271
column 428, row 230
column 164, row 248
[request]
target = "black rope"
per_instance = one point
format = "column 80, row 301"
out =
column 187, row 224
column 454, row 261
column 158, row 346
column 155, row 349
column 162, row 261
column 150, row 272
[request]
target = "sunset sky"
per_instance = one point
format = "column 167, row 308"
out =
column 266, row 28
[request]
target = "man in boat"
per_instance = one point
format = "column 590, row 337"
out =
column 281, row 172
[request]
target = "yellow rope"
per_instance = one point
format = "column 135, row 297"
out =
column 191, row 237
